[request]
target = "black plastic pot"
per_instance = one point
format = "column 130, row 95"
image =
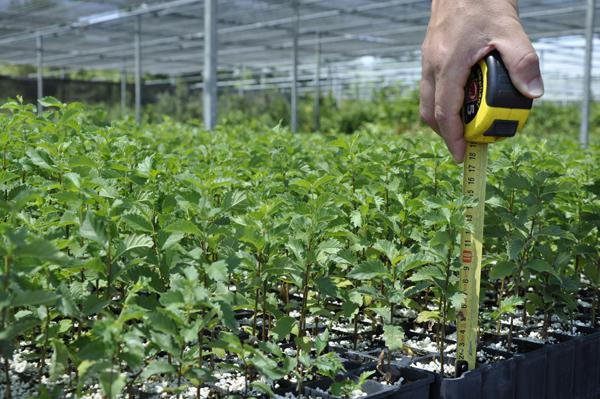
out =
column 416, row 384
column 566, row 370
column 586, row 371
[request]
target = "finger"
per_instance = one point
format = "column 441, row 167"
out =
column 427, row 101
column 449, row 95
column 522, row 63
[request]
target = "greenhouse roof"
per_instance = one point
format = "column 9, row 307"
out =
column 381, row 37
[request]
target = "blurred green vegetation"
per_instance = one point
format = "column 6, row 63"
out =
column 394, row 108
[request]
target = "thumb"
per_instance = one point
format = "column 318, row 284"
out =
column 522, row 63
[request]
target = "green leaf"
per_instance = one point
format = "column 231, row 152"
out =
column 325, row 286
column 217, row 271
column 428, row 315
column 262, row 387
column 40, row 249
column 132, row 242
column 30, row 298
column 228, row 316
column 234, row 200
column 283, row 328
column 502, row 269
column 112, row 383
column 516, row 181
column 158, row 367
column 368, row 270
column 540, row 266
column 427, row 273
column 321, row 341
column 138, row 223
column 509, row 304
column 387, row 248
column 40, row 159
column 145, row 167
column 18, row 328
column 457, row 299
column 94, row 228
column 49, row 101
column 183, row 226
column 393, row 337
column 356, row 218
column 60, row 359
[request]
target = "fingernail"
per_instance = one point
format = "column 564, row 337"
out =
column 536, row 87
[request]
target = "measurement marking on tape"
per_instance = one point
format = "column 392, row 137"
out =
column 471, row 253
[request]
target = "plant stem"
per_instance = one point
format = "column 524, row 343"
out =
column 8, row 392
column 355, row 337
column 200, row 360
column 444, row 301
column 546, row 324
column 305, row 291
column 109, row 265
column 42, row 361
column 264, row 311
column 5, row 286
column 256, row 296
column 595, row 302
column 510, row 334
column 498, row 303
column 179, row 370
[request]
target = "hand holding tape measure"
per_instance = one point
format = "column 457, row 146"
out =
column 493, row 110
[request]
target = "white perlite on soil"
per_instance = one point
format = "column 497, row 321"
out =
column 435, row 366
column 24, row 383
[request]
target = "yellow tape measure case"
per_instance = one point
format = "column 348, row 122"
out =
column 493, row 108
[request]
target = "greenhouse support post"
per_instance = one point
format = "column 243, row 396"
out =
column 210, row 64
column 39, row 51
column 138, row 69
column 587, row 90
column 317, row 106
column 294, row 99
column 123, row 90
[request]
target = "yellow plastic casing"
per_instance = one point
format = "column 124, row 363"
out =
column 486, row 115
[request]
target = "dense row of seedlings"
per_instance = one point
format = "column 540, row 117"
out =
column 134, row 255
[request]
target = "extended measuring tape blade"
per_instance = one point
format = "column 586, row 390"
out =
column 471, row 253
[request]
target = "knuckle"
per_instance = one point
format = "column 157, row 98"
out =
column 441, row 114
column 528, row 60
column 426, row 115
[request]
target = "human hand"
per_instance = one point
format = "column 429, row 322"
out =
column 460, row 33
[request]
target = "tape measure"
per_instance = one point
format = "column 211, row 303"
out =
column 493, row 110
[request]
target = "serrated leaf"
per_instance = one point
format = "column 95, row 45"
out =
column 138, row 223
column 217, row 271
column 393, row 337
column 112, row 383
column 132, row 242
column 60, row 359
column 540, row 266
column 356, row 218
column 428, row 315
column 368, row 270
column 234, row 200
column 38, row 297
column 283, row 328
column 50, row 101
column 183, row 226
column 502, row 269
column 158, row 367
column 94, row 228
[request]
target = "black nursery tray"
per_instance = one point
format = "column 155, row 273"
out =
column 415, row 384
column 566, row 370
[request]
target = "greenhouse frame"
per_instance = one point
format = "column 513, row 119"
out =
column 305, row 44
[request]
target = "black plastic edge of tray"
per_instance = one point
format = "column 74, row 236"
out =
column 418, row 388
column 565, row 370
